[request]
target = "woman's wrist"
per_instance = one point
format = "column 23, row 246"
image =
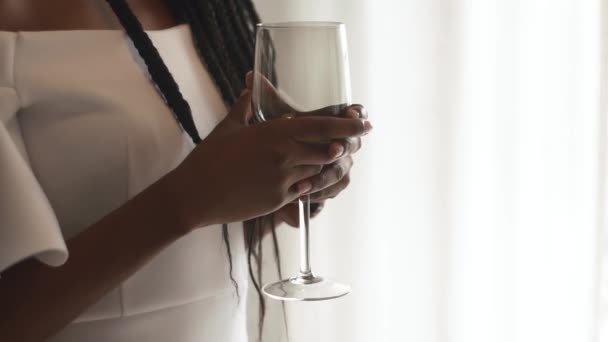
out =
column 166, row 201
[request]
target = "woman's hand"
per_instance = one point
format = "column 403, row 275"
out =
column 334, row 177
column 239, row 172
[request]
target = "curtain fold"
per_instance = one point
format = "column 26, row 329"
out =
column 476, row 210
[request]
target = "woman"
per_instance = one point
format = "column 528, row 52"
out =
column 94, row 162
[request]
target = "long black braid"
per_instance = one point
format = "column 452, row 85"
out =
column 156, row 67
column 224, row 37
column 217, row 42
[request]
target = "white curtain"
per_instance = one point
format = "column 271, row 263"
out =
column 476, row 209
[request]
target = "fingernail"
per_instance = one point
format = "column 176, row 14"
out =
column 367, row 126
column 352, row 114
column 244, row 92
column 338, row 151
column 304, row 187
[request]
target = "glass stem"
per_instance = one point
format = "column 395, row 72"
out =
column 304, row 206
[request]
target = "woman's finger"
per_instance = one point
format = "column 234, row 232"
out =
column 356, row 111
column 266, row 85
column 307, row 154
column 289, row 214
column 302, row 174
column 249, row 80
column 319, row 129
column 331, row 175
column 325, row 111
column 351, row 145
column 297, row 154
column 331, row 191
column 241, row 111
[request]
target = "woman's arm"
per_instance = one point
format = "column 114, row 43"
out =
column 36, row 300
column 260, row 169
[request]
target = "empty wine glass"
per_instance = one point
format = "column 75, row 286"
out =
column 301, row 68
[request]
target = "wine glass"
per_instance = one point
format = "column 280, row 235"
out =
column 301, row 68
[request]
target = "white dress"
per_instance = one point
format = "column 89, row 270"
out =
column 82, row 130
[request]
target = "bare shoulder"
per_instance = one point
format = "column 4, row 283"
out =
column 49, row 15
column 38, row 15
column 10, row 13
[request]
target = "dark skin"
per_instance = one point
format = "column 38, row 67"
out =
column 58, row 15
column 284, row 159
column 32, row 15
column 334, row 177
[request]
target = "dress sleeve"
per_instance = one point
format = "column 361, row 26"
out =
column 28, row 225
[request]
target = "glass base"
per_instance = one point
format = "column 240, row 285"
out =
column 306, row 288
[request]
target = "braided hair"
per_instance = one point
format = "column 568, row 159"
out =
column 224, row 37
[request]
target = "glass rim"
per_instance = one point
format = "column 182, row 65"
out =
column 301, row 24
